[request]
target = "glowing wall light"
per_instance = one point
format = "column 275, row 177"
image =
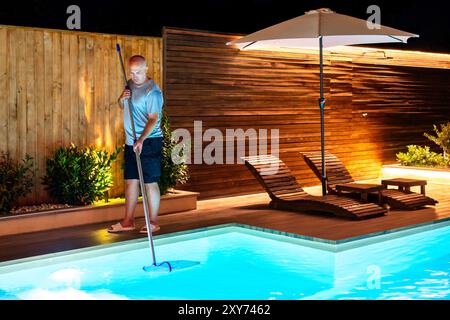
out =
column 440, row 176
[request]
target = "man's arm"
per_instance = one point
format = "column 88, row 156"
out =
column 126, row 94
column 120, row 103
column 152, row 118
column 153, row 105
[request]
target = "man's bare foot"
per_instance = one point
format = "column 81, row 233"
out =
column 127, row 223
column 155, row 228
column 121, row 227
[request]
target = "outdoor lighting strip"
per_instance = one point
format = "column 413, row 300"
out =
column 437, row 176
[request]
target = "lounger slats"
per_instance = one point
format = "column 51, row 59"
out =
column 338, row 174
column 278, row 177
column 281, row 183
column 286, row 193
column 406, row 201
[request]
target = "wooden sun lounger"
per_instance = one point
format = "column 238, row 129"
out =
column 287, row 194
column 337, row 173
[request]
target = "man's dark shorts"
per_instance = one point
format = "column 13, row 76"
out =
column 150, row 159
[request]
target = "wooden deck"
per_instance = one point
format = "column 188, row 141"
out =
column 249, row 209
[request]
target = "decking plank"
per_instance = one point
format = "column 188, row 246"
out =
column 248, row 209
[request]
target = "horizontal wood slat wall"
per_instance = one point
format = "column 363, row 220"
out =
column 403, row 95
column 60, row 87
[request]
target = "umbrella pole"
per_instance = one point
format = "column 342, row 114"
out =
column 322, row 120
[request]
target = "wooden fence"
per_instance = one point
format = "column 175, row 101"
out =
column 378, row 101
column 61, row 87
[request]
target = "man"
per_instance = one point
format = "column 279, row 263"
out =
column 147, row 101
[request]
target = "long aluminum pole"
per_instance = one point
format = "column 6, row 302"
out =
column 322, row 120
column 139, row 165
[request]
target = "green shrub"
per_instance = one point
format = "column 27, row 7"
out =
column 79, row 176
column 420, row 156
column 171, row 173
column 16, row 180
column 442, row 138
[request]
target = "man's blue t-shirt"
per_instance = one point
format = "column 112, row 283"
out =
column 147, row 98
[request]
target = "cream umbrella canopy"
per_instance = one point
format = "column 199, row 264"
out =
column 321, row 28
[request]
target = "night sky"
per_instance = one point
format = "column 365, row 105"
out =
column 429, row 19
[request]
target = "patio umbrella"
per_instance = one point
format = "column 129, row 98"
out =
column 321, row 28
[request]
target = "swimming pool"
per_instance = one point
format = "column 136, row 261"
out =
column 242, row 262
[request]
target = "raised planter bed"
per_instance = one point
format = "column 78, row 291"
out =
column 177, row 201
column 436, row 175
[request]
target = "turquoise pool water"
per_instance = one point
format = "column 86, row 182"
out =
column 241, row 263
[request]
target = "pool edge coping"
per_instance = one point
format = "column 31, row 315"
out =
column 328, row 245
